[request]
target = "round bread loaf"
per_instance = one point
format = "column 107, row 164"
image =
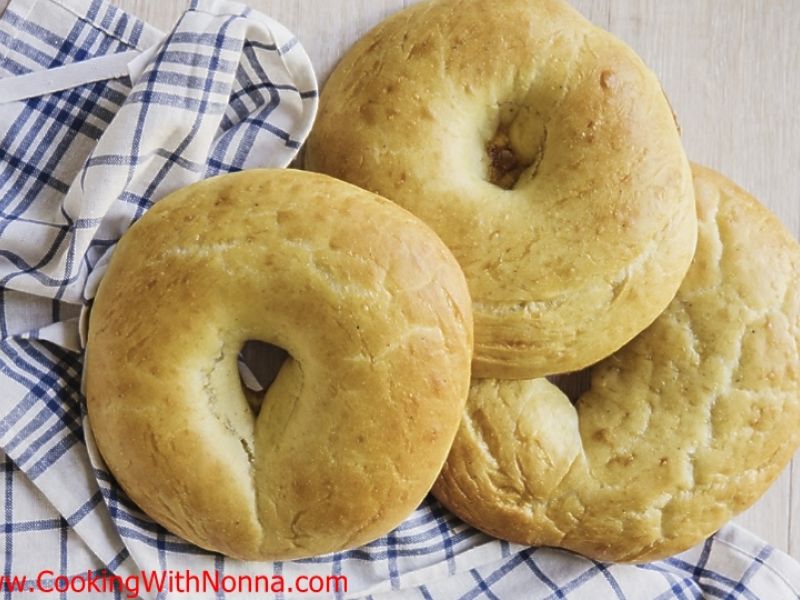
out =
column 375, row 316
column 681, row 429
column 541, row 150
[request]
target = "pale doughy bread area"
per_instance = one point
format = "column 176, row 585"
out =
column 681, row 429
column 375, row 315
column 541, row 150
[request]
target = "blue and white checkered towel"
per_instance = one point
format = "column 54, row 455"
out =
column 102, row 115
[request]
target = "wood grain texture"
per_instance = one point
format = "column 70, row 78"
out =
column 730, row 72
column 793, row 525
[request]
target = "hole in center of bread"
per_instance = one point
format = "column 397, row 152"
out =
column 259, row 363
column 505, row 166
column 517, row 145
column 573, row 384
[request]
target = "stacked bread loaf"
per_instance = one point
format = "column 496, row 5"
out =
column 539, row 188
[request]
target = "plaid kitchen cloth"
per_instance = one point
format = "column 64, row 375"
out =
column 100, row 116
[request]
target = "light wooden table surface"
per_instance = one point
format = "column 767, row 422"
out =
column 731, row 70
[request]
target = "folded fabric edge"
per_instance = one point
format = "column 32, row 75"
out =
column 743, row 541
column 50, row 81
column 85, row 11
column 140, row 34
column 289, row 48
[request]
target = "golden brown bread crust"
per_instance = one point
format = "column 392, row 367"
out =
column 593, row 240
column 682, row 428
column 371, row 307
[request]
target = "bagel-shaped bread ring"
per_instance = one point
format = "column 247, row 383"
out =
column 375, row 316
column 681, row 429
column 544, row 154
